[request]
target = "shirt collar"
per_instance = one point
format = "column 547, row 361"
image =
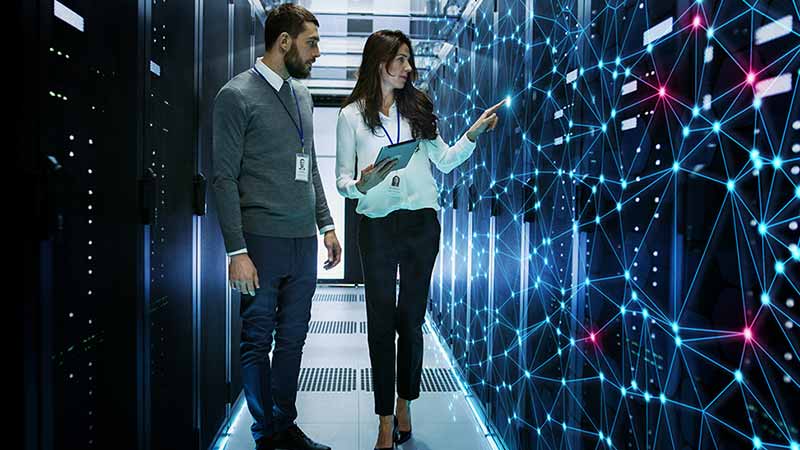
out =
column 392, row 110
column 275, row 80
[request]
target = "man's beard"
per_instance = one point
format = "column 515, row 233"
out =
column 294, row 65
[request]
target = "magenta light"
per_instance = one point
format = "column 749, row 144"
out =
column 748, row 334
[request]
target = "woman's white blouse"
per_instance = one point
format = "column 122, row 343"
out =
column 415, row 188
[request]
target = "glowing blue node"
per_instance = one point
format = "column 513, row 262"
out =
column 676, row 166
column 599, row 64
column 623, row 391
column 627, row 277
column 716, row 127
column 779, row 267
column 649, row 48
column 756, row 442
column 797, row 192
column 604, row 127
column 645, row 313
column 627, row 72
column 549, row 94
column 635, row 296
column 624, row 184
column 794, row 446
column 663, row 398
column 757, row 103
column 618, row 60
column 685, row 131
column 613, row 113
column 710, row 33
column 738, row 376
column 696, row 111
column 730, row 185
column 765, row 299
column 678, row 341
column 602, row 376
column 777, row 162
column 675, row 327
column 619, row 206
column 762, row 229
column 647, row 397
column 508, row 101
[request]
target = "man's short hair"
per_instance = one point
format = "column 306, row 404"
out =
column 289, row 18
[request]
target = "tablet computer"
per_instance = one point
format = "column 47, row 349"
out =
column 402, row 151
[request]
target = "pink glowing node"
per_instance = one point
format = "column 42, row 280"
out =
column 751, row 78
column 592, row 337
column 696, row 21
column 748, row 334
column 662, row 92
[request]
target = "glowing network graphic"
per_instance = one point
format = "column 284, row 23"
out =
column 619, row 263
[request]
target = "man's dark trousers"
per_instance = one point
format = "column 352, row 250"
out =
column 287, row 273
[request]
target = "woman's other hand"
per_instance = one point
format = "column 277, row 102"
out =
column 486, row 122
column 372, row 175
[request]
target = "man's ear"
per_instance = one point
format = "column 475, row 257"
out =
column 285, row 41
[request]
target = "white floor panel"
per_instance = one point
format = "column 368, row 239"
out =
column 346, row 420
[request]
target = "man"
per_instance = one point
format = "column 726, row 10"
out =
column 271, row 202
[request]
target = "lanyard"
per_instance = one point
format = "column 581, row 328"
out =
column 296, row 103
column 398, row 130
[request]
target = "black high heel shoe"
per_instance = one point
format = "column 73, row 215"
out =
column 400, row 436
column 393, row 447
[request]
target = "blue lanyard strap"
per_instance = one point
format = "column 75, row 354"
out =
column 398, row 130
column 299, row 128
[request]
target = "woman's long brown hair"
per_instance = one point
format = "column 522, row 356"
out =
column 413, row 104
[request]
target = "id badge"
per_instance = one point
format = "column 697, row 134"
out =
column 302, row 167
column 394, row 187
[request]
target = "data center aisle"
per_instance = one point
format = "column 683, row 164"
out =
column 335, row 394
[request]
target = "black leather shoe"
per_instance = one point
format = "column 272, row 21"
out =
column 400, row 436
column 265, row 443
column 293, row 438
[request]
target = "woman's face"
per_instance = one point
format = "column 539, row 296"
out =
column 399, row 69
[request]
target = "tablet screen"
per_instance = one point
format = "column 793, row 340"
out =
column 402, row 151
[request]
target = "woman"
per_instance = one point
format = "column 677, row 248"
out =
column 399, row 225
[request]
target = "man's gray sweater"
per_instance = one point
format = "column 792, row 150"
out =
column 255, row 143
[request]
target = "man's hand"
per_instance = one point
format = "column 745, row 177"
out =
column 243, row 275
column 334, row 250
